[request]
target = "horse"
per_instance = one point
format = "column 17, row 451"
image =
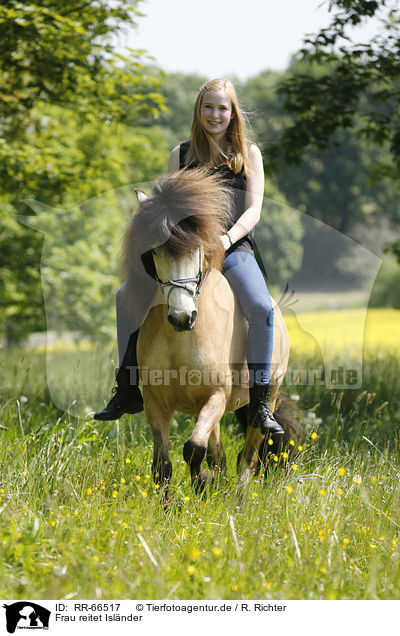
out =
column 192, row 344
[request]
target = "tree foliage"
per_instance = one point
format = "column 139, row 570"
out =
column 62, row 53
column 359, row 87
column 63, row 94
column 278, row 237
column 336, row 85
column 179, row 91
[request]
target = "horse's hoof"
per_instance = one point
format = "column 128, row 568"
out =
column 202, row 482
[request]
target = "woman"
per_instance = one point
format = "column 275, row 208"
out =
column 218, row 142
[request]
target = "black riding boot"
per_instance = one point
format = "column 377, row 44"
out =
column 127, row 398
column 260, row 415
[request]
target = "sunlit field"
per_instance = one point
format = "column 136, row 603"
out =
column 81, row 517
column 377, row 330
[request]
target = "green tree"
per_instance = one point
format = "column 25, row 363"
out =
column 359, row 89
column 79, row 264
column 62, row 54
column 57, row 54
column 278, row 237
column 179, row 91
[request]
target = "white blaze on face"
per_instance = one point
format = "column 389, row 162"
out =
column 174, row 268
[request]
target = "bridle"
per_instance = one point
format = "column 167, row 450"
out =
column 182, row 283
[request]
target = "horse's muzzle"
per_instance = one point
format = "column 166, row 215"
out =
column 181, row 321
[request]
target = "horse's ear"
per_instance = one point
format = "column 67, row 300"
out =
column 141, row 196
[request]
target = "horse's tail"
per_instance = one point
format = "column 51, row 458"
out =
column 287, row 414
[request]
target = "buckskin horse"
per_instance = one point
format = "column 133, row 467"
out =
column 192, row 343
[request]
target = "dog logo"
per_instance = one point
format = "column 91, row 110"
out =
column 26, row 615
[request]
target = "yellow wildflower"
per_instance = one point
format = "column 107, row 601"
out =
column 194, row 554
column 341, row 472
column 216, row 552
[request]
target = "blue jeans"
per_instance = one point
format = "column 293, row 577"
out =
column 244, row 275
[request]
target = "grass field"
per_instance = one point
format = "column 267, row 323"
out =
column 81, row 517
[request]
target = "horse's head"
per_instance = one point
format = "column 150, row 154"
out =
column 180, row 278
column 176, row 234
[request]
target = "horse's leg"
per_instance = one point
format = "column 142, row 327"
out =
column 159, row 420
column 215, row 453
column 249, row 456
column 255, row 447
column 195, row 447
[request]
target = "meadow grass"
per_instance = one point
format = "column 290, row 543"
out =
column 80, row 516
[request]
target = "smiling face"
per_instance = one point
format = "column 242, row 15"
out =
column 216, row 113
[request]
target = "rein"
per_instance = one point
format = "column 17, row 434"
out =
column 182, row 283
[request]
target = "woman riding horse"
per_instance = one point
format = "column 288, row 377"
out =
column 218, row 142
column 192, row 345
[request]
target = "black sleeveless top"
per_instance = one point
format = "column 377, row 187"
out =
column 237, row 182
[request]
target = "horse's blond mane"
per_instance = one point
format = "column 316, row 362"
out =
column 186, row 210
